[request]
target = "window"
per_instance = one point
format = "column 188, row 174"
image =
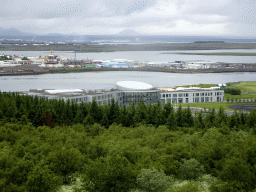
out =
column 166, row 95
column 186, row 100
column 174, row 95
column 202, row 94
column 180, row 100
column 197, row 94
column 163, row 95
column 206, row 99
column 174, row 100
column 202, row 99
column 186, row 94
column 197, row 99
column 180, row 94
column 211, row 99
column 170, row 95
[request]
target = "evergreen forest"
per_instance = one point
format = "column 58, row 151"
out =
column 52, row 145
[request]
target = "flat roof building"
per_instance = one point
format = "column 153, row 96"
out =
column 132, row 91
column 192, row 95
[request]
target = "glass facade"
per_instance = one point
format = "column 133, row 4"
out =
column 148, row 97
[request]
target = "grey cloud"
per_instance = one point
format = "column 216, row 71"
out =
column 57, row 15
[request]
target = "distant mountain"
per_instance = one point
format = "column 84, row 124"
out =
column 55, row 34
column 129, row 32
column 14, row 32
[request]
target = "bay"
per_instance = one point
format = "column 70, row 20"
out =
column 142, row 56
column 101, row 80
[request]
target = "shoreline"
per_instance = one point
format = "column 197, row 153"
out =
column 53, row 71
column 85, row 47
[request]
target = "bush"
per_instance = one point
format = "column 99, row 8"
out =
column 191, row 169
column 152, row 180
column 42, row 179
column 232, row 91
column 186, row 187
column 112, row 173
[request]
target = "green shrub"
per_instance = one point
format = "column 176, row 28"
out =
column 187, row 187
column 152, row 180
column 232, row 91
column 191, row 169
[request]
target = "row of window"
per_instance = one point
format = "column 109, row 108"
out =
column 195, row 100
column 144, row 94
column 79, row 99
column 194, row 94
column 101, row 97
column 203, row 99
column 175, row 95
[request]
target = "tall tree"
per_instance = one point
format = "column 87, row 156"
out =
column 171, row 121
column 188, row 117
column 95, row 112
column 179, row 117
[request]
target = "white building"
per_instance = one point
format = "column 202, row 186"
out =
column 132, row 91
column 124, row 93
column 192, row 95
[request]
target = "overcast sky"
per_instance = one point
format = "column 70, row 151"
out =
column 156, row 17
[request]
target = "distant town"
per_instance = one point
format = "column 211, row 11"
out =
column 14, row 64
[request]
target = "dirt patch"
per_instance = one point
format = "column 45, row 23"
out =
column 243, row 107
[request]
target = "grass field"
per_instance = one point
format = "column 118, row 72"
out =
column 248, row 91
column 199, row 85
column 220, row 54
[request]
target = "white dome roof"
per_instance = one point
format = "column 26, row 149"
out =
column 133, row 85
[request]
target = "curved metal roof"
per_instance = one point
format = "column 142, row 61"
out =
column 133, row 85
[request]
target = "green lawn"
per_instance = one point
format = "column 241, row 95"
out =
column 248, row 91
column 246, row 87
column 220, row 54
column 200, row 85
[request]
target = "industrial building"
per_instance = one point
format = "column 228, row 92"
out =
column 197, row 64
column 132, row 91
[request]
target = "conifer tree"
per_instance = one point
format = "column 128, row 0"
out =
column 140, row 113
column 95, row 112
column 171, row 121
column 188, row 117
column 79, row 117
column 104, row 121
column 199, row 121
column 167, row 108
column 179, row 117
